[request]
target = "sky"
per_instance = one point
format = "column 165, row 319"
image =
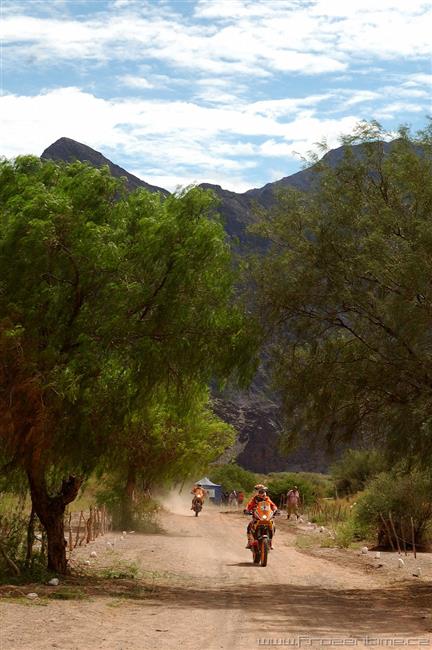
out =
column 231, row 92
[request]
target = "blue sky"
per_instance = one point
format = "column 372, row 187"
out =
column 231, row 92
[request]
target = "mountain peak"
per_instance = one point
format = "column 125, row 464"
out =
column 69, row 150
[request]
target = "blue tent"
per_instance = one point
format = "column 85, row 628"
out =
column 214, row 490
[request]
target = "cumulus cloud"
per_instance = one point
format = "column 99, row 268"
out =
column 195, row 142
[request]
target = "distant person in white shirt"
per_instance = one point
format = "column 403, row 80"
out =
column 293, row 502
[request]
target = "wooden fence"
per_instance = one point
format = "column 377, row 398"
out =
column 85, row 526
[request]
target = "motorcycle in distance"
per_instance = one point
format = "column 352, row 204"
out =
column 262, row 531
column 197, row 506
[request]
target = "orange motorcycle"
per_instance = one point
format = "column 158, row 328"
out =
column 197, row 505
column 262, row 531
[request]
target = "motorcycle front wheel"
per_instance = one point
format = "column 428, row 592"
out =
column 264, row 545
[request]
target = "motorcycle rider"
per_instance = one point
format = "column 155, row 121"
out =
column 199, row 495
column 261, row 495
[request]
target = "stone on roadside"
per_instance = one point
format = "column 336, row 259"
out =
column 401, row 563
column 124, row 533
column 364, row 550
column 377, row 555
column 87, row 562
column 54, row 582
column 417, row 572
column 32, row 596
column 93, row 554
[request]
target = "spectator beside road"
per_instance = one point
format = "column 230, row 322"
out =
column 293, row 502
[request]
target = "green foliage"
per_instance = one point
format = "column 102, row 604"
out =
column 344, row 286
column 233, row 477
column 13, row 532
column 311, row 486
column 116, row 313
column 403, row 495
column 355, row 469
column 121, row 571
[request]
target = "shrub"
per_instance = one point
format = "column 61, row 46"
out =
column 329, row 511
column 402, row 495
column 233, row 477
column 311, row 486
column 13, row 535
column 355, row 469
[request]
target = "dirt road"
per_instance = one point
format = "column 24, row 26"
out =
column 199, row 590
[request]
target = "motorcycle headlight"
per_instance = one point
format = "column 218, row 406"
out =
column 264, row 516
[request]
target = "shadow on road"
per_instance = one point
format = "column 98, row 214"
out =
column 280, row 607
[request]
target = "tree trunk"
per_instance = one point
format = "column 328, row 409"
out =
column 50, row 510
column 127, row 513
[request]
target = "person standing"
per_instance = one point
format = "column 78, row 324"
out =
column 293, row 502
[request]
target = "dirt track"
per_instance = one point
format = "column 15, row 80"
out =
column 199, row 590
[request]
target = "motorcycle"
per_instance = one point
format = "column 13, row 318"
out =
column 262, row 530
column 197, row 506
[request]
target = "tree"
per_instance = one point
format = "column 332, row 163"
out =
column 105, row 298
column 345, row 291
column 171, row 438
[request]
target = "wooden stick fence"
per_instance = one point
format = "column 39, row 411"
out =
column 86, row 526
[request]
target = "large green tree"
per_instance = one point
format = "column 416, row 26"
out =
column 172, row 437
column 105, row 298
column 345, row 290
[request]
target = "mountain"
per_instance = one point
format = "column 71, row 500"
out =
column 69, row 150
column 254, row 414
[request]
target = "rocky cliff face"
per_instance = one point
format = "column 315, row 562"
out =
column 254, row 414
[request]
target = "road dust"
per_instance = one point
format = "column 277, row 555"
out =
column 177, row 501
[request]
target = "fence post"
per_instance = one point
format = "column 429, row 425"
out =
column 413, row 537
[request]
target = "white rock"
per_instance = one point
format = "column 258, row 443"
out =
column 300, row 520
column 93, row 554
column 417, row 573
column 131, row 532
column 54, row 582
column 364, row 550
column 322, row 529
column 124, row 533
column 377, row 555
column 87, row 562
column 401, row 563
column 32, row 596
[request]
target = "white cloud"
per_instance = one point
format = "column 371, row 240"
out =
column 360, row 96
column 193, row 141
column 419, row 79
column 135, row 82
column 396, row 108
column 256, row 38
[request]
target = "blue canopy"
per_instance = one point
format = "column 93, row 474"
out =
column 214, row 489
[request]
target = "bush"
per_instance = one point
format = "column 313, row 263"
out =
column 233, row 477
column 329, row 511
column 13, row 534
column 355, row 469
column 311, row 486
column 402, row 495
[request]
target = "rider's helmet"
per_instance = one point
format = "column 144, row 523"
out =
column 260, row 486
column 261, row 494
